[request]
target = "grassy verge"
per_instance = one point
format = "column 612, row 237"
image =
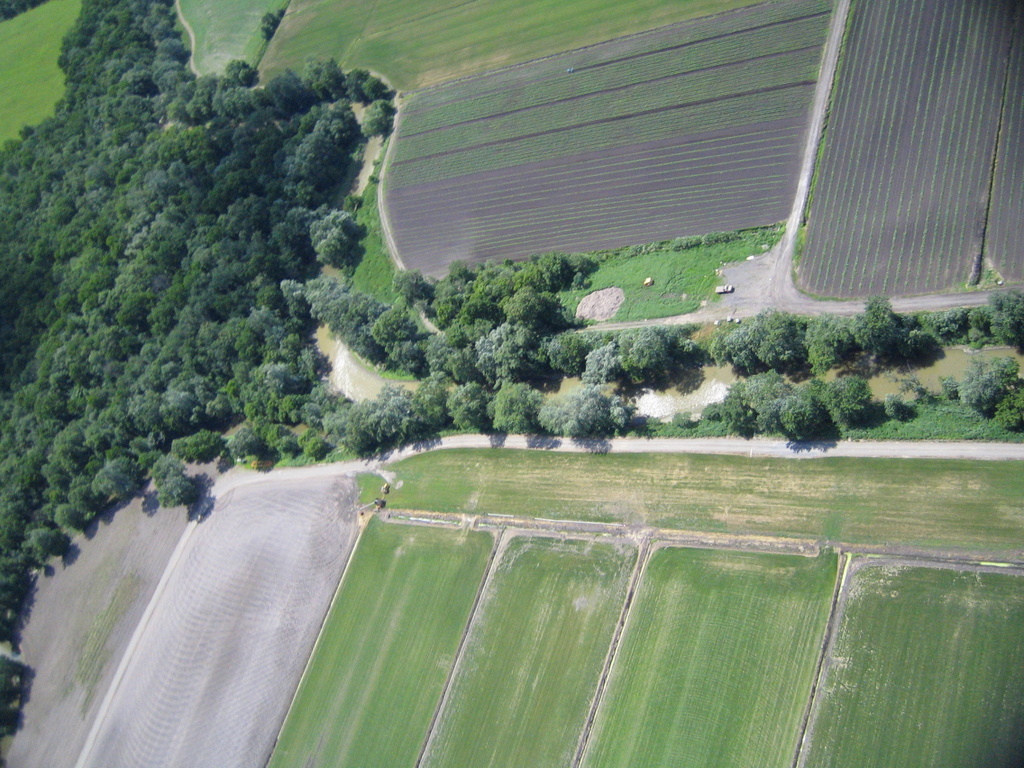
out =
column 749, row 627
column 439, row 40
column 389, row 641
column 683, row 277
column 533, row 656
column 928, row 503
column 30, row 80
column 375, row 271
column 227, row 30
column 927, row 670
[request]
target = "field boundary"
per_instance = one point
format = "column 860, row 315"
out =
column 497, row 550
column 361, row 521
column 823, row 650
column 642, row 558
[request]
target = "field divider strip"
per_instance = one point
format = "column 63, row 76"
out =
column 442, row 702
column 642, row 558
column 319, row 635
column 820, row 670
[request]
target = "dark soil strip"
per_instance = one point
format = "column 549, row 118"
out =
column 503, row 84
column 826, row 648
column 443, row 700
column 722, row 36
column 603, row 121
column 614, row 89
column 975, row 275
column 638, row 571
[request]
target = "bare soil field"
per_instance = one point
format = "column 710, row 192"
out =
column 689, row 129
column 209, row 675
column 83, row 614
column 901, row 198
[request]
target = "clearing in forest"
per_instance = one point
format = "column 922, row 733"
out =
column 926, row 669
column 717, row 661
column 226, row 30
column 534, row 655
column 30, row 80
column 693, row 128
column 378, row 669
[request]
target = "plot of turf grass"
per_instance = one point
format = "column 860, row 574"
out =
column 389, row 641
column 901, row 193
column 227, row 30
column 534, row 656
column 685, row 130
column 716, row 663
column 927, row 670
column 432, row 41
column 30, row 80
column 972, row 505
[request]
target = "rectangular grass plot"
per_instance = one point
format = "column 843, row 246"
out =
column 927, row 669
column 534, row 655
column 716, row 661
column 390, row 639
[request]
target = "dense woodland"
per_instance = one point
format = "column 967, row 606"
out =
column 163, row 239
column 11, row 8
column 156, row 231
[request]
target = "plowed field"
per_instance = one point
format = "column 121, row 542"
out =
column 901, row 196
column 692, row 128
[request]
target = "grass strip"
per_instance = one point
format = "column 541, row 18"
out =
column 534, row 655
column 386, row 648
column 716, row 662
column 927, row 670
column 871, row 502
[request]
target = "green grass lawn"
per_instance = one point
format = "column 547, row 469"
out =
column 969, row 504
column 390, row 639
column 227, row 30
column 716, row 663
column 927, row 670
column 534, row 656
column 375, row 271
column 683, row 278
column 30, row 80
column 438, row 40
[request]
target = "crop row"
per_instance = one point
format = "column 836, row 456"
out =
column 658, row 66
column 787, row 102
column 721, row 25
column 515, row 185
column 1006, row 212
column 670, row 93
column 900, row 197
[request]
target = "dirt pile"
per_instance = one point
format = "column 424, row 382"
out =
column 600, row 305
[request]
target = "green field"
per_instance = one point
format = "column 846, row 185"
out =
column 443, row 39
column 387, row 646
column 226, row 30
column 30, row 80
column 534, row 656
column 963, row 504
column 683, row 278
column 927, row 670
column 716, row 663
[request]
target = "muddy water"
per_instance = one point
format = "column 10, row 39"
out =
column 350, row 376
column 953, row 363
